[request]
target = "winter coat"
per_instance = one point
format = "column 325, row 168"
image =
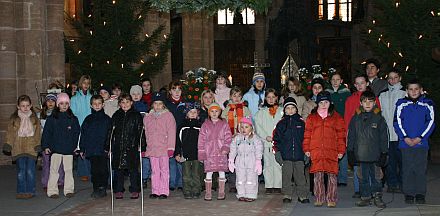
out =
column 351, row 104
column 80, row 105
column 308, row 106
column 300, row 100
column 94, row 133
column 367, row 135
column 265, row 124
column 339, row 97
column 61, row 133
column 188, row 139
column 288, row 138
column 388, row 100
column 221, row 96
column 160, row 132
column 22, row 146
column 147, row 98
column 176, row 108
column 414, row 119
column 111, row 106
column 214, row 138
column 126, row 137
column 324, row 139
column 253, row 99
column 246, row 151
column 140, row 106
column 233, row 114
column 378, row 85
column 203, row 115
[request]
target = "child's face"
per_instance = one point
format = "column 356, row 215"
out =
column 220, row 81
column 104, row 94
column 117, row 92
column 246, row 129
column 74, row 87
column 136, row 96
column 125, row 104
column 63, row 106
column 236, row 97
column 158, row 106
column 325, row 104
column 192, row 114
column 336, row 81
column 24, row 106
column 85, row 85
column 271, row 98
column 176, row 92
column 208, row 99
column 368, row 105
column 214, row 114
column 146, row 87
column 360, row 83
column 372, row 71
column 393, row 78
column 316, row 88
column 97, row 105
column 414, row 91
column 259, row 84
column 292, row 87
column 50, row 104
column 290, row 110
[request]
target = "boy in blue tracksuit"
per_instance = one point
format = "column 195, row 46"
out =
column 414, row 123
column 94, row 132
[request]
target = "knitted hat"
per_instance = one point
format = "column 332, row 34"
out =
column 105, row 88
column 191, row 105
column 246, row 120
column 214, row 106
column 318, row 81
column 136, row 89
column 51, row 97
column 157, row 96
column 322, row 96
column 290, row 101
column 258, row 76
column 62, row 97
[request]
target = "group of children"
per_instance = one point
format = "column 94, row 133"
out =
column 182, row 144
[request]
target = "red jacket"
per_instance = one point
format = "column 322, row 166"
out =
column 324, row 139
column 351, row 104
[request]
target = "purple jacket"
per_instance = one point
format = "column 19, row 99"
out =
column 213, row 139
column 160, row 133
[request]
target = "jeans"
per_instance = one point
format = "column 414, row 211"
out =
column 25, row 175
column 355, row 179
column 175, row 173
column 370, row 177
column 343, row 168
column 414, row 163
column 146, row 168
column 83, row 167
column 394, row 168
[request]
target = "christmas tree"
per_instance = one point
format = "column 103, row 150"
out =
column 113, row 46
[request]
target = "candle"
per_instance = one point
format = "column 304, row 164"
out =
column 230, row 79
column 283, row 79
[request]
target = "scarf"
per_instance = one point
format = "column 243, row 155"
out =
column 238, row 108
column 175, row 101
column 322, row 112
column 273, row 110
column 26, row 128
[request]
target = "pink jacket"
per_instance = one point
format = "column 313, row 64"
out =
column 213, row 139
column 160, row 133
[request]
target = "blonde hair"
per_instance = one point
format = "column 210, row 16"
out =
column 203, row 94
column 82, row 79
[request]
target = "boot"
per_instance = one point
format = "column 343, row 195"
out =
column 208, row 189
column 378, row 202
column 221, row 189
column 363, row 202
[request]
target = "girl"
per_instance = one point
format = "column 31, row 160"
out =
column 60, row 137
column 294, row 89
column 245, row 157
column 48, row 107
column 81, row 109
column 160, row 131
column 147, row 91
column 206, row 99
column 22, row 142
column 213, row 148
column 309, row 105
column 222, row 89
column 235, row 110
column 265, row 122
column 255, row 95
column 324, row 143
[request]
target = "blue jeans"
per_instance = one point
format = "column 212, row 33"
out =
column 343, row 167
column 146, row 168
column 83, row 167
column 175, row 173
column 369, row 179
column 394, row 168
column 355, row 179
column 25, row 175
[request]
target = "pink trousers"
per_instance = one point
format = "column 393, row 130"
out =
column 160, row 175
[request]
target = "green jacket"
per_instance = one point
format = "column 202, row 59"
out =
column 339, row 97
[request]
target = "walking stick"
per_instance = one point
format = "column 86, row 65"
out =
column 111, row 170
column 140, row 162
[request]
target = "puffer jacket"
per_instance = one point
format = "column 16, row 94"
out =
column 61, row 133
column 126, row 138
column 214, row 138
column 367, row 135
column 160, row 132
column 351, row 104
column 94, row 133
column 339, row 97
column 246, row 151
column 388, row 101
column 176, row 108
column 222, row 95
column 288, row 138
column 188, row 139
column 22, row 146
column 253, row 99
column 324, row 139
column 80, row 105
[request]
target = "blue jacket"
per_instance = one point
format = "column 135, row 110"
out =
column 253, row 99
column 61, row 133
column 177, row 110
column 414, row 119
column 288, row 137
column 80, row 105
column 140, row 106
column 94, row 132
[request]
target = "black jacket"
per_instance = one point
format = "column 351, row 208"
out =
column 288, row 137
column 61, row 133
column 187, row 139
column 126, row 138
column 94, row 133
column 177, row 110
column 367, row 136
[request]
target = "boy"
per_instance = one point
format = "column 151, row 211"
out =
column 388, row 100
column 288, row 138
column 125, row 141
column 186, row 151
column 372, row 68
column 136, row 95
column 94, row 132
column 414, row 123
column 367, row 144
column 110, row 102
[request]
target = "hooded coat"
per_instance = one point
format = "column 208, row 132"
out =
column 288, row 138
column 160, row 132
column 388, row 101
column 253, row 99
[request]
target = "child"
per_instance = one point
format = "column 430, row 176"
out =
column 22, row 142
column 116, row 90
column 48, row 107
column 294, row 89
column 147, row 88
column 206, row 99
column 367, row 144
column 222, row 89
column 136, row 95
column 126, row 142
column 110, row 101
column 414, row 124
column 213, row 148
column 186, row 151
column 265, row 121
column 160, row 131
column 372, row 69
column 324, row 143
column 318, row 85
column 94, row 132
column 245, row 158
column 287, row 145
column 255, row 95
column 81, row 109
column 60, row 138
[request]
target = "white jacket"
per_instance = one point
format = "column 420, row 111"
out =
column 388, row 100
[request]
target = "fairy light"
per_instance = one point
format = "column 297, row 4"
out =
column 156, row 54
column 120, row 48
column 141, row 74
column 114, row 2
column 374, row 22
column 140, row 16
column 74, row 16
column 407, row 68
column 90, row 15
column 397, row 4
column 79, row 51
column 108, row 62
column 146, row 35
column 102, row 84
column 91, row 64
column 388, row 44
column 364, row 62
column 165, row 36
column 122, row 65
column 420, row 37
column 378, row 40
column 432, row 12
column 91, row 32
column 142, row 61
column 72, row 40
column 394, row 64
column 104, row 23
column 400, row 54
column 369, row 31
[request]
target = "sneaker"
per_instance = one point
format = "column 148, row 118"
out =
column 154, row 196
column 363, row 202
column 420, row 199
column 70, row 195
column 187, row 196
column 318, row 204
column 356, row 195
column 409, row 199
column 28, row 196
column 119, row 195
column 54, row 196
column 19, row 196
column 378, row 202
column 172, row 188
column 134, row 195
column 331, row 204
column 303, row 200
column 163, row 196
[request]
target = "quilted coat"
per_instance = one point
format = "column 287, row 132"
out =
column 160, row 132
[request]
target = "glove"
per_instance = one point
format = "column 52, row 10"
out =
column 170, row 153
column 382, row 160
column 306, row 161
column 278, row 158
column 351, row 158
column 258, row 167
column 231, row 166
